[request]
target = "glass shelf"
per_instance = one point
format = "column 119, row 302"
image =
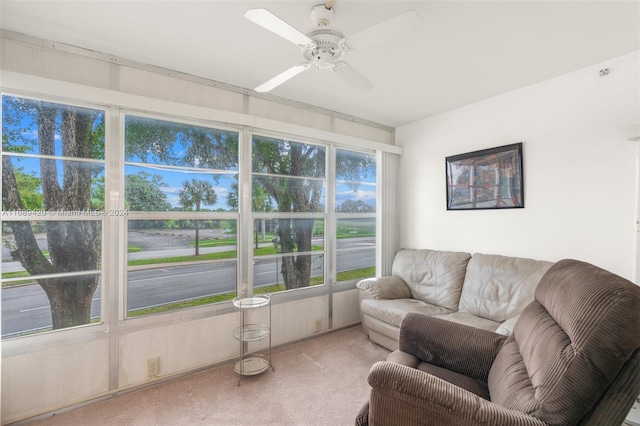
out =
column 252, row 363
column 251, row 366
column 251, row 332
column 251, row 302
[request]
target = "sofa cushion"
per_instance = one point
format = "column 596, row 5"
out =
column 470, row 319
column 393, row 311
column 434, row 277
column 498, row 288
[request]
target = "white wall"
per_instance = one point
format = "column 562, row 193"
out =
column 579, row 171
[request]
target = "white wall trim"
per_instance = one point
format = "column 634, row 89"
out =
column 39, row 86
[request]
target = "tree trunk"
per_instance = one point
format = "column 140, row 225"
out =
column 70, row 299
column 74, row 245
column 197, row 237
column 296, row 270
column 296, row 195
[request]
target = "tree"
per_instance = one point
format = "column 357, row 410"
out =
column 352, row 206
column 192, row 195
column 144, row 192
column 73, row 246
column 29, row 189
column 278, row 157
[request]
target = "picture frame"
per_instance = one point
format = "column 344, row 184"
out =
column 486, row 179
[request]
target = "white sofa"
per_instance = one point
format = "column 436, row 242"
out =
column 484, row 291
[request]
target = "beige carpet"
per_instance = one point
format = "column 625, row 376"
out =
column 321, row 381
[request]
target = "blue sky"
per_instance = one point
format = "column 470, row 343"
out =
column 174, row 178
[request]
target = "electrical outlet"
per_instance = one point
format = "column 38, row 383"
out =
column 153, row 367
column 318, row 326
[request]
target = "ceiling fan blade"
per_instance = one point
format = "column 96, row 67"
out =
column 282, row 77
column 396, row 27
column 352, row 77
column 268, row 20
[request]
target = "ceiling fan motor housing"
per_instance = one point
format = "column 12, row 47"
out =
column 328, row 47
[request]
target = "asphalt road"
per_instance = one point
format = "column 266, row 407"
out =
column 26, row 308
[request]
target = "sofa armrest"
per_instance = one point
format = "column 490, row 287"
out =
column 402, row 395
column 457, row 347
column 390, row 287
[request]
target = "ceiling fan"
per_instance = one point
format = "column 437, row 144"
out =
column 324, row 46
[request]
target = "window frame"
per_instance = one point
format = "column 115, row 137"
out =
column 348, row 284
column 105, row 275
column 217, row 307
column 114, row 102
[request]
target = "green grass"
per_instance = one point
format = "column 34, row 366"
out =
column 177, row 259
column 134, row 249
column 16, row 275
column 272, row 250
column 356, row 273
column 217, row 242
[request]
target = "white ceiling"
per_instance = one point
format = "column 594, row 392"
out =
column 462, row 53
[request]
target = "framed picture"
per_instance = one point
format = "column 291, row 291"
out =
column 486, row 179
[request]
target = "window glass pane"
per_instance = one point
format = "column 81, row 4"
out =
column 356, row 242
column 180, row 240
column 273, row 274
column 355, row 182
column 32, row 250
column 355, row 233
column 66, row 188
column 355, row 193
column 355, row 166
column 181, row 263
column 170, row 288
column 274, row 236
column 356, row 264
column 157, row 189
column 26, row 309
column 277, row 236
column 46, row 128
column 287, row 194
column 283, row 157
column 153, row 141
column 355, row 197
column 24, row 177
column 50, row 247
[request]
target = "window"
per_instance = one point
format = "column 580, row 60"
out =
column 52, row 215
column 356, row 215
column 181, row 204
column 288, row 184
column 181, row 196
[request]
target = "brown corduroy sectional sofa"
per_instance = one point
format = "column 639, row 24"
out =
column 573, row 359
column 485, row 291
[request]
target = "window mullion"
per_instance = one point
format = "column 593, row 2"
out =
column 113, row 289
column 245, row 226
